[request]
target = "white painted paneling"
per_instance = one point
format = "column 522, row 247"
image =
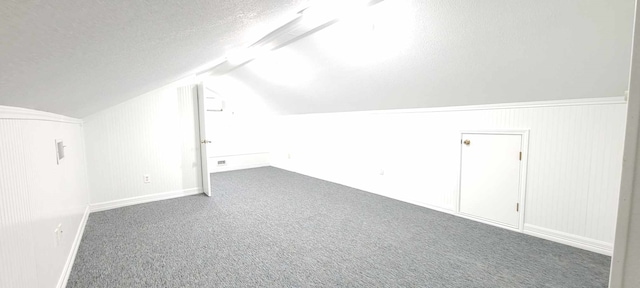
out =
column 37, row 195
column 16, row 252
column 156, row 134
column 573, row 173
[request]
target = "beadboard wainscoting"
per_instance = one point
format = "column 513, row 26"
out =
column 574, row 158
column 155, row 134
column 40, row 195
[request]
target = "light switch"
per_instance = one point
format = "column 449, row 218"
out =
column 59, row 150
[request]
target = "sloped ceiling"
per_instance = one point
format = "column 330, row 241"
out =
column 77, row 57
column 415, row 54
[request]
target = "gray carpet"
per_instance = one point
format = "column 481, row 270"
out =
column 267, row 227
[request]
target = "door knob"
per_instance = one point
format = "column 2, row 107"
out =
column 467, row 142
column 205, row 142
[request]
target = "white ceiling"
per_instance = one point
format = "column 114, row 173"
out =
column 77, row 57
column 415, row 54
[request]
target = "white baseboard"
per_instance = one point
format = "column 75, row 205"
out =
column 403, row 199
column 569, row 239
column 419, row 203
column 239, row 167
column 144, row 199
column 66, row 271
column 532, row 230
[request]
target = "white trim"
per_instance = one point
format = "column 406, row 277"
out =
column 451, row 211
column 66, row 271
column 144, row 199
column 17, row 113
column 217, row 169
column 533, row 104
column 569, row 239
column 402, row 199
column 528, row 229
column 234, row 155
column 617, row 100
column 624, row 271
column 418, row 203
column 486, row 221
column 522, row 189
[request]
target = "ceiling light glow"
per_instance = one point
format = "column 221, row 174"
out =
column 283, row 67
column 322, row 12
column 244, row 55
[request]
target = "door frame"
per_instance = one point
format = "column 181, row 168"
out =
column 522, row 187
column 206, row 176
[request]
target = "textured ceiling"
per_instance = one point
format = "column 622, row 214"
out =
column 77, row 57
column 415, row 54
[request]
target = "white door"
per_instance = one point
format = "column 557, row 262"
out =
column 205, row 140
column 490, row 177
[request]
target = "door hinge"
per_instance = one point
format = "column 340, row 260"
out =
column 520, row 157
column 517, row 207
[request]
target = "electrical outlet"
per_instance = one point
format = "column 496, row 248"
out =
column 146, row 178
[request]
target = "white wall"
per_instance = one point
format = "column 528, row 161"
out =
column 240, row 132
column 156, row 134
column 238, row 140
column 574, row 159
column 37, row 194
column 415, row 54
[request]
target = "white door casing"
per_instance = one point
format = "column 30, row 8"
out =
column 492, row 171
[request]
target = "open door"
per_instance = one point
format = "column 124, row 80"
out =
column 204, row 140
